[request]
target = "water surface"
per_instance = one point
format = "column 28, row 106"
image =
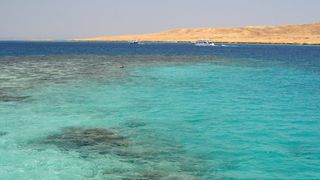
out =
column 159, row 111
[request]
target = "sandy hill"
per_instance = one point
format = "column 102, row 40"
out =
column 295, row 34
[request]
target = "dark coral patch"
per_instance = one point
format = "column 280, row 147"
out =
column 2, row 133
column 87, row 141
column 134, row 124
column 5, row 98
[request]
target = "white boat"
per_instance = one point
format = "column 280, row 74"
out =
column 204, row 43
column 135, row 42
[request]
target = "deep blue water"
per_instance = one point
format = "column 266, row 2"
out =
column 79, row 110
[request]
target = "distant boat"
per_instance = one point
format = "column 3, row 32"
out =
column 204, row 43
column 135, row 42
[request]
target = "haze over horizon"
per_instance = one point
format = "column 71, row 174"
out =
column 38, row 19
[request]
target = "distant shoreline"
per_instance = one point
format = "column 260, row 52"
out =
column 173, row 42
column 302, row 34
column 189, row 42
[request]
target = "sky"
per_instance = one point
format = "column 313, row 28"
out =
column 67, row 19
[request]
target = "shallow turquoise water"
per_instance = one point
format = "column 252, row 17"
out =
column 244, row 111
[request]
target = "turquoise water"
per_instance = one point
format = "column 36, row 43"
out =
column 174, row 111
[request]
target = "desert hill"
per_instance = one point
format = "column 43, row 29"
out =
column 291, row 34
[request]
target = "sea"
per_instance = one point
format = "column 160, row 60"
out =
column 98, row 110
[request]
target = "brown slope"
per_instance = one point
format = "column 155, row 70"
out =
column 295, row 34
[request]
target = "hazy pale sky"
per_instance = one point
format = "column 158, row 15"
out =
column 63, row 19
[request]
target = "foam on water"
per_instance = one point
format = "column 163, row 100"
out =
column 185, row 114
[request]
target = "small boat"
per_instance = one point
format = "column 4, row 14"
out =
column 204, row 43
column 135, row 42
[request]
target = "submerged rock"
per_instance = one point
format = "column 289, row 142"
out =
column 134, row 124
column 151, row 175
column 4, row 98
column 2, row 133
column 87, row 141
column 147, row 158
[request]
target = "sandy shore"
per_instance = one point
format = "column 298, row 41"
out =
column 286, row 34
